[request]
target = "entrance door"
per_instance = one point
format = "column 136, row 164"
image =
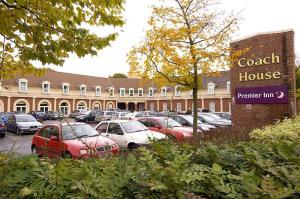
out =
column 122, row 105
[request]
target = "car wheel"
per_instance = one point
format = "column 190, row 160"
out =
column 172, row 138
column 67, row 155
column 132, row 146
column 2, row 135
column 18, row 132
column 33, row 149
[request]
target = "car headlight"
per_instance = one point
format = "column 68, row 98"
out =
column 83, row 151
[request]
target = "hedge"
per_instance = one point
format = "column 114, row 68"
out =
column 267, row 166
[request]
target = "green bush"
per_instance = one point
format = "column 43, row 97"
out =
column 266, row 167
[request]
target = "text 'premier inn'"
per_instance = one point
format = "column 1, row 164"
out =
column 246, row 76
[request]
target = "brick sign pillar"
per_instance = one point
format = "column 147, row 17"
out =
column 263, row 80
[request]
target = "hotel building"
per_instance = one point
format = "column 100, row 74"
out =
column 66, row 92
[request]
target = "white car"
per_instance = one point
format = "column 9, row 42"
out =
column 129, row 134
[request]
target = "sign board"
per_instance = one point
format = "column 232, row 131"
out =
column 262, row 80
column 262, row 95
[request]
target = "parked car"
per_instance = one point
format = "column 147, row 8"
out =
column 104, row 116
column 76, row 140
column 76, row 113
column 153, row 114
column 52, row 115
column 22, row 123
column 168, row 113
column 187, row 120
column 129, row 134
column 2, row 128
column 119, row 115
column 88, row 116
column 5, row 118
column 168, row 126
column 134, row 115
column 223, row 115
column 214, row 120
column 39, row 115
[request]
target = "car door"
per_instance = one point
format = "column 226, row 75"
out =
column 116, row 133
column 55, row 147
column 41, row 141
column 11, row 123
column 102, row 129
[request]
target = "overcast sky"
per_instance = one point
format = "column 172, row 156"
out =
column 258, row 16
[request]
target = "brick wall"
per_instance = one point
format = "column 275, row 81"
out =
column 258, row 115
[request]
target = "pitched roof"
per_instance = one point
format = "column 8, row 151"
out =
column 75, row 80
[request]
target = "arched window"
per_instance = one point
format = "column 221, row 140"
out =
column 165, row 106
column 21, row 107
column 44, row 107
column 152, row 107
column 212, row 106
column 64, row 108
column 81, row 106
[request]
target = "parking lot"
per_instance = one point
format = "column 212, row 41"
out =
column 21, row 144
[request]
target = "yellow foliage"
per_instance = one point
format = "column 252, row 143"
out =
column 186, row 38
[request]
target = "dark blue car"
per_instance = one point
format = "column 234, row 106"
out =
column 2, row 128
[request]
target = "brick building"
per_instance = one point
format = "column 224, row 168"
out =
column 67, row 92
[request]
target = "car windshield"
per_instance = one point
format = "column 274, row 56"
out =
column 190, row 118
column 215, row 116
column 133, row 126
column 170, row 123
column 71, row 132
column 25, row 118
column 87, row 112
column 207, row 118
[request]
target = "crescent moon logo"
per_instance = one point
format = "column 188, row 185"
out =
column 280, row 94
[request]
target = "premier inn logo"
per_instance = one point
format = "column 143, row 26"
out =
column 268, row 75
column 273, row 59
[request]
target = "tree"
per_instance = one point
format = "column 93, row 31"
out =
column 186, row 39
column 48, row 31
column 118, row 75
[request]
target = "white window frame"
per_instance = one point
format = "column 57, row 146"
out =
column 68, row 88
column 211, row 88
column 165, row 106
column 98, row 91
column 151, row 94
column 124, row 90
column 152, row 106
column 212, row 106
column 228, row 87
column 129, row 92
column 178, row 107
column 111, row 92
column 26, row 85
column 43, row 86
column 177, row 92
column 82, row 89
column 163, row 91
column 140, row 92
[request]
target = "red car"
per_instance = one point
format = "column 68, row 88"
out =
column 76, row 140
column 168, row 126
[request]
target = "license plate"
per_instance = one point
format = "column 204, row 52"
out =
column 33, row 129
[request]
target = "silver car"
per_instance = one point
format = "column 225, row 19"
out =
column 22, row 123
column 104, row 116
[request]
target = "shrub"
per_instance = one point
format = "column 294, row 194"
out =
column 265, row 167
